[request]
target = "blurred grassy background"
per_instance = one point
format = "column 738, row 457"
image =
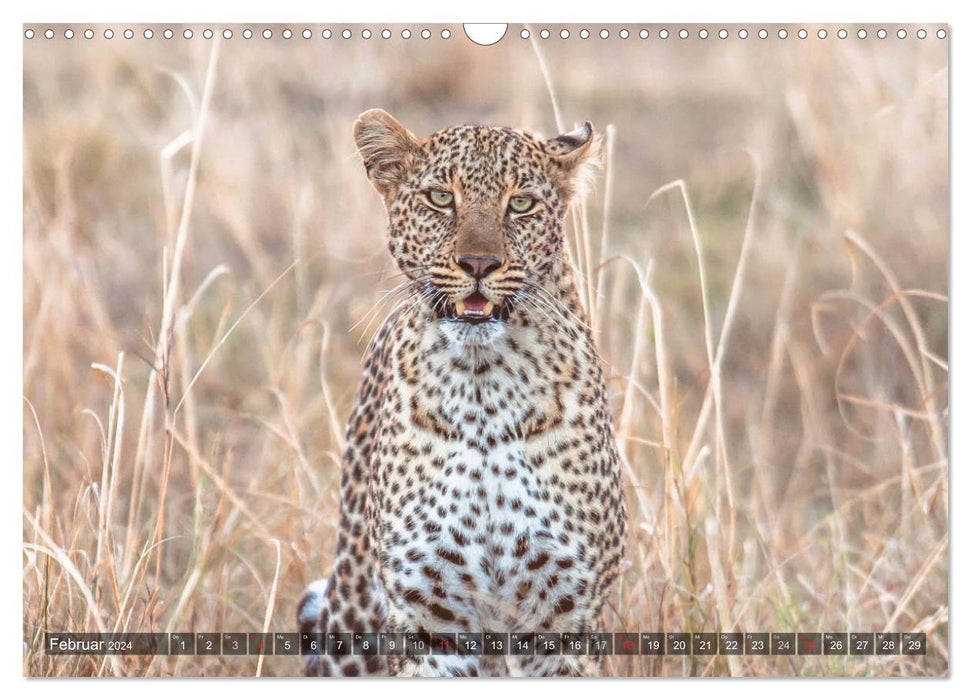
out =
column 807, row 492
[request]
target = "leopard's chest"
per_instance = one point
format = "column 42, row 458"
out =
column 472, row 520
column 480, row 535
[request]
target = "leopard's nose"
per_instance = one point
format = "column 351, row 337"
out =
column 479, row 266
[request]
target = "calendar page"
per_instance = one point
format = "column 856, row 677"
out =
column 519, row 350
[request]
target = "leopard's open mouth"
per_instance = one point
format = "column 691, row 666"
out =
column 475, row 308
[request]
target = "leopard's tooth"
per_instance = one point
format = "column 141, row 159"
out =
column 460, row 308
column 487, row 309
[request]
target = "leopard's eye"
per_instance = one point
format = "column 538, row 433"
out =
column 521, row 204
column 441, row 198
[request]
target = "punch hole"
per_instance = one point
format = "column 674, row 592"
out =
column 921, row 33
column 227, row 34
column 842, row 34
column 89, row 34
column 247, row 33
column 207, row 34
column 486, row 34
column 604, row 33
column 129, row 34
column 68, row 33
column 703, row 33
column 168, row 33
column 643, row 34
column 366, row 33
column 287, row 33
column 29, row 34
column 881, row 34
column 941, row 34
column 187, row 34
column 109, row 34
column 803, row 33
column 624, row 34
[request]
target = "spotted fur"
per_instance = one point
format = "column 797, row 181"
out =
column 480, row 488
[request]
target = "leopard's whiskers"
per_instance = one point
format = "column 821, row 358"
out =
column 407, row 288
column 532, row 304
column 384, row 296
column 394, row 317
column 557, row 304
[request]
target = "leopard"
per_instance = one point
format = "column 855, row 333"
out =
column 480, row 486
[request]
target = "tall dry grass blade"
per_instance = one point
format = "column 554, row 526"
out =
column 580, row 244
column 761, row 500
column 172, row 287
column 672, row 495
column 596, row 310
column 270, row 604
column 292, row 434
column 547, row 80
column 118, row 417
column 817, row 429
column 336, row 430
column 166, row 158
column 48, row 512
column 182, row 233
column 625, row 428
column 104, row 552
column 222, row 340
column 720, row 582
column 928, row 387
column 625, row 424
column 182, row 346
column 586, row 282
column 713, row 393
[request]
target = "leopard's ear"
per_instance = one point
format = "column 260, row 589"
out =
column 386, row 147
column 576, row 157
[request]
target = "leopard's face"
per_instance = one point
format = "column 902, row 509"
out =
column 475, row 213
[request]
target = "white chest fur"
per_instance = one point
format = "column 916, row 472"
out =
column 478, row 530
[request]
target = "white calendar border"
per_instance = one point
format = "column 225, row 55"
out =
column 819, row 11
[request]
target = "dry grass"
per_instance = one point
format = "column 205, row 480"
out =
column 764, row 263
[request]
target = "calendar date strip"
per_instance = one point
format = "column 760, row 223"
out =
column 490, row 643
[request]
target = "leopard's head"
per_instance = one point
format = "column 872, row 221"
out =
column 475, row 212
